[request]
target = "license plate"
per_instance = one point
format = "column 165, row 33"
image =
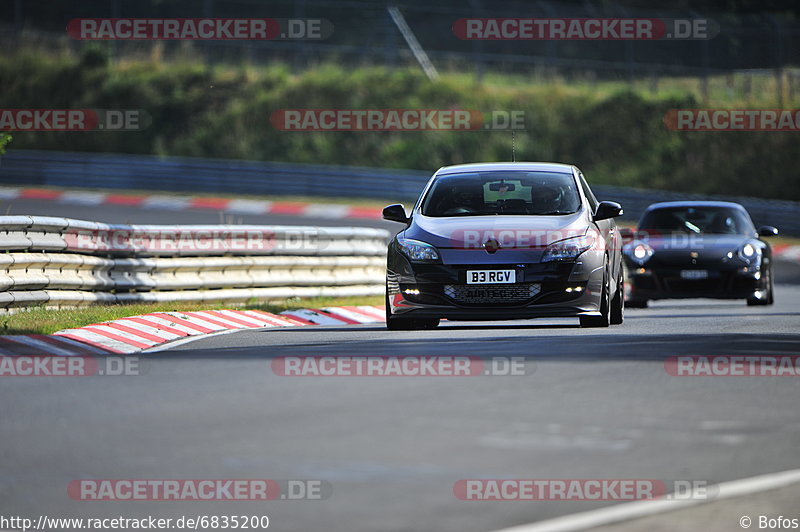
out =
column 491, row 276
column 694, row 274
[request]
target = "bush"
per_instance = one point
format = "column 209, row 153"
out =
column 616, row 137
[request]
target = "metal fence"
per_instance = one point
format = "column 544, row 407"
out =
column 64, row 262
column 190, row 175
column 365, row 33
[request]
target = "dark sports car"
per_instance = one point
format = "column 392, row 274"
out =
column 501, row 241
column 687, row 249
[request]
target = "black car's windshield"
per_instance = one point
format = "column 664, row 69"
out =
column 698, row 220
column 491, row 193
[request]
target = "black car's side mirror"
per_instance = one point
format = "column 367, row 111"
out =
column 395, row 213
column 767, row 230
column 606, row 210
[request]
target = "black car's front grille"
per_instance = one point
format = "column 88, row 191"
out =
column 495, row 294
column 676, row 284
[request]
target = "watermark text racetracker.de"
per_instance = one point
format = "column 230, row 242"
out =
column 733, row 366
column 584, row 29
column 581, row 489
column 397, row 120
column 501, row 237
column 74, row 119
column 194, row 489
column 203, row 29
column 69, row 366
column 400, row 366
column 786, row 120
column 198, row 239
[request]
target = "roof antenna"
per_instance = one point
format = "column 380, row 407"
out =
column 513, row 147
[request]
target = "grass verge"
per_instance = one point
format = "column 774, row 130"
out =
column 44, row 321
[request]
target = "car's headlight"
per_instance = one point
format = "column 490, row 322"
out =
column 638, row 251
column 748, row 252
column 417, row 251
column 642, row 252
column 569, row 248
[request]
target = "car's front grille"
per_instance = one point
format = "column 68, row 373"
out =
column 495, row 294
column 676, row 284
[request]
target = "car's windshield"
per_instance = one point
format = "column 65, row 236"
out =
column 697, row 220
column 506, row 193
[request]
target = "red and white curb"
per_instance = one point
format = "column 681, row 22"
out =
column 786, row 252
column 139, row 333
column 228, row 205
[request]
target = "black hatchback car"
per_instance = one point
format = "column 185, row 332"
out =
column 694, row 249
column 497, row 241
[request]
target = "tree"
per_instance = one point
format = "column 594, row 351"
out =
column 5, row 138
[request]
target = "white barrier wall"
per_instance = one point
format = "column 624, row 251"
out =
column 64, row 262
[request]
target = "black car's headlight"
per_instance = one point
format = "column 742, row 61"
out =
column 569, row 248
column 749, row 252
column 638, row 251
column 417, row 251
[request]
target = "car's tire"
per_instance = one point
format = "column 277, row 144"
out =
column 411, row 324
column 603, row 319
column 393, row 323
column 770, row 299
column 398, row 324
column 636, row 303
column 618, row 302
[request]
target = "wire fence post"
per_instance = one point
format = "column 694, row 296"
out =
column 778, row 57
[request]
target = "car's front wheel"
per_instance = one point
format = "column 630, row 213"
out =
column 769, row 297
column 618, row 303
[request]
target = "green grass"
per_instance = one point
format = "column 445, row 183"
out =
column 47, row 321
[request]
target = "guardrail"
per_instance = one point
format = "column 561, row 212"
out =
column 182, row 174
column 65, row 262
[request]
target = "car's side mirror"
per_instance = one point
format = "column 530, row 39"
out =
column 395, row 213
column 606, row 210
column 767, row 230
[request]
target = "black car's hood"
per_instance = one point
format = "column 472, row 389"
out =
column 704, row 247
column 521, row 238
column 462, row 231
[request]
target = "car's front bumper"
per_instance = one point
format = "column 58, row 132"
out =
column 554, row 289
column 668, row 282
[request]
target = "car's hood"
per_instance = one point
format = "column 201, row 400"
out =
column 460, row 232
column 705, row 247
column 520, row 239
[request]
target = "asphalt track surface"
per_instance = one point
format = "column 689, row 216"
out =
column 595, row 403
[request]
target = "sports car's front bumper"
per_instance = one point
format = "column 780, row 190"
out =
column 670, row 282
